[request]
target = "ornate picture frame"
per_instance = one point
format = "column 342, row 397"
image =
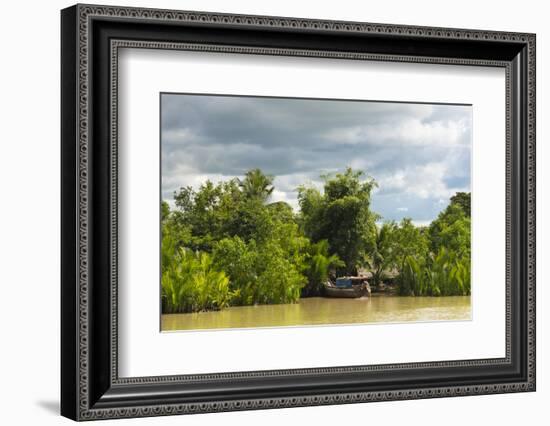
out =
column 91, row 37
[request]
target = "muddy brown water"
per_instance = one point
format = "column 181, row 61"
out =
column 326, row 311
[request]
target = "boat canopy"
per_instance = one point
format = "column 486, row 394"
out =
column 343, row 282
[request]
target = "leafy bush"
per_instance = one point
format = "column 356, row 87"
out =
column 258, row 274
column 239, row 260
column 190, row 283
column 319, row 264
column 444, row 270
column 445, row 274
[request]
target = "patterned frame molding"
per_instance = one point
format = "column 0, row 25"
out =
column 116, row 45
column 82, row 400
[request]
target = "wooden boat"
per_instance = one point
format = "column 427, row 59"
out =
column 359, row 287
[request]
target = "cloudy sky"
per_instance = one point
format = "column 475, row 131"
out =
column 418, row 153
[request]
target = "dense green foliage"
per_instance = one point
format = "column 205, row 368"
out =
column 320, row 263
column 256, row 245
column 260, row 273
column 444, row 269
column 225, row 244
column 463, row 200
column 341, row 215
column 191, row 283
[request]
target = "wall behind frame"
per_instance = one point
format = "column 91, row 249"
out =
column 30, row 225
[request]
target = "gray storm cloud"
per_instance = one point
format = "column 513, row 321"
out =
column 420, row 154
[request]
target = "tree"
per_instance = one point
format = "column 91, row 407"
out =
column 223, row 244
column 259, row 246
column 257, row 185
column 341, row 215
column 445, row 269
column 174, row 233
column 250, row 220
column 319, row 264
column 463, row 199
column 231, row 208
column 312, row 209
column 259, row 274
column 239, row 261
column 207, row 212
column 408, row 241
column 381, row 256
column 438, row 230
column 164, row 211
column 456, row 236
column 281, row 211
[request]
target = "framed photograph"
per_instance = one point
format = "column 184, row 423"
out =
column 263, row 212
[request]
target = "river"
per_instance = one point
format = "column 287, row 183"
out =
column 326, row 311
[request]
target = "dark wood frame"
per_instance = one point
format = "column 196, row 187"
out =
column 91, row 37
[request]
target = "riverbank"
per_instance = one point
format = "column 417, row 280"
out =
column 326, row 311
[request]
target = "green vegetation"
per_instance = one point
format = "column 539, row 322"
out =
column 191, row 283
column 319, row 264
column 225, row 244
column 261, row 273
column 443, row 268
column 341, row 215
